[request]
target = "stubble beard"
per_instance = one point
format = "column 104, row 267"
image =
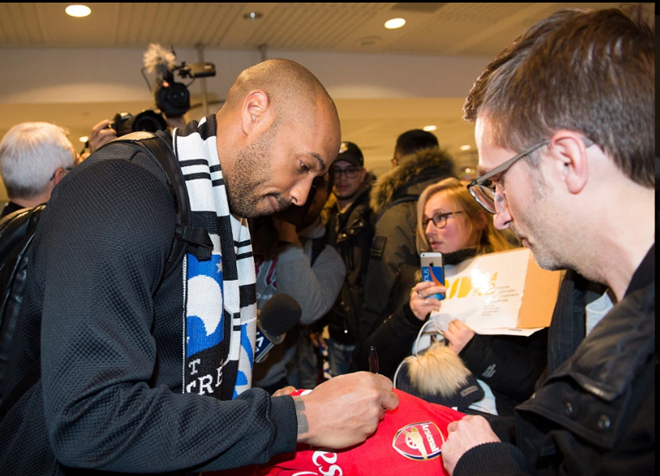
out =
column 252, row 171
column 545, row 253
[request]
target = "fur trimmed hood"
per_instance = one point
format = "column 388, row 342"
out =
column 412, row 176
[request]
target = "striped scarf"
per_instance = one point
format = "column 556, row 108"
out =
column 220, row 312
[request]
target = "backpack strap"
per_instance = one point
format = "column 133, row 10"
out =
column 187, row 238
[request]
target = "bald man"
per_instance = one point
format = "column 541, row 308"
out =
column 149, row 372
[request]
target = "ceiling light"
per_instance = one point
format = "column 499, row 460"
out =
column 430, row 128
column 252, row 16
column 466, row 147
column 78, row 11
column 84, row 139
column 394, row 23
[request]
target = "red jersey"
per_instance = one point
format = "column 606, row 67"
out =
column 408, row 442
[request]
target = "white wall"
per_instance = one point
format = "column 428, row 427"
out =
column 38, row 75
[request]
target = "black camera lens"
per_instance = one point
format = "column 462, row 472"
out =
column 173, row 99
column 149, row 121
column 124, row 123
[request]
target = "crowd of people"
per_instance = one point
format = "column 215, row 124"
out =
column 113, row 360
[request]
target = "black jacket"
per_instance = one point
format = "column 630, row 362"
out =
column 16, row 233
column 109, row 329
column 350, row 232
column 595, row 414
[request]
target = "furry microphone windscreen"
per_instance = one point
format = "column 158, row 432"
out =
column 159, row 59
column 439, row 370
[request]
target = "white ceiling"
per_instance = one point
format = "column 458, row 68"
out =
column 481, row 29
column 442, row 29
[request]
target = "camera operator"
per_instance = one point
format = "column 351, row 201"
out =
column 172, row 98
column 103, row 132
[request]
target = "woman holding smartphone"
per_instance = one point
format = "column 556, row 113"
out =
column 451, row 222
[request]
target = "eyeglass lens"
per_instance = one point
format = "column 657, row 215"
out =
column 439, row 220
column 350, row 172
column 485, row 196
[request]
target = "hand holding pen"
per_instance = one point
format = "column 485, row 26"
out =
column 373, row 360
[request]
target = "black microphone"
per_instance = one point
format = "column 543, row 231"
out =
column 278, row 316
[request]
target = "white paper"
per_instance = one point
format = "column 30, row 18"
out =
column 488, row 301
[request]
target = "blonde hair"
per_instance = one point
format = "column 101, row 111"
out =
column 489, row 239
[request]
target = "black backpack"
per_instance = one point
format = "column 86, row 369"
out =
column 17, row 230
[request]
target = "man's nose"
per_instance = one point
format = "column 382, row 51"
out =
column 502, row 218
column 300, row 191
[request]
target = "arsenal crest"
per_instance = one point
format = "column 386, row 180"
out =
column 419, row 441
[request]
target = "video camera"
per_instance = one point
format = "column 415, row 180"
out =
column 172, row 98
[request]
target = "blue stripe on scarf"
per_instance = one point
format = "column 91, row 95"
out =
column 204, row 326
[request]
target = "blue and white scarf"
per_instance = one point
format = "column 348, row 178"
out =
column 220, row 312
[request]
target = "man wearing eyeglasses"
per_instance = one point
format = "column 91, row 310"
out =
column 350, row 231
column 571, row 171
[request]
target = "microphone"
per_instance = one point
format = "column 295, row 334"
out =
column 158, row 59
column 278, row 316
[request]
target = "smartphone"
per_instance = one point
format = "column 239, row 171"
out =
column 433, row 270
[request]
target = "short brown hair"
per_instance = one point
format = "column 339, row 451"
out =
column 591, row 71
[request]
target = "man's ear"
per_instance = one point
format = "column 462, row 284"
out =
column 256, row 114
column 570, row 153
column 59, row 175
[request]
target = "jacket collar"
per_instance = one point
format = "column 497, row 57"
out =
column 644, row 274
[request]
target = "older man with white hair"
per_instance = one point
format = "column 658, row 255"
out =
column 34, row 157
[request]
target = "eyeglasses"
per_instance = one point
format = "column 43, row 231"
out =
column 485, row 192
column 350, row 172
column 68, row 169
column 439, row 220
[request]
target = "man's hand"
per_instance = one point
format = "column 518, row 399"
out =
column 344, row 410
column 464, row 435
column 458, row 334
column 101, row 134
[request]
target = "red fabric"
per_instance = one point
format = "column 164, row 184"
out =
column 408, row 442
